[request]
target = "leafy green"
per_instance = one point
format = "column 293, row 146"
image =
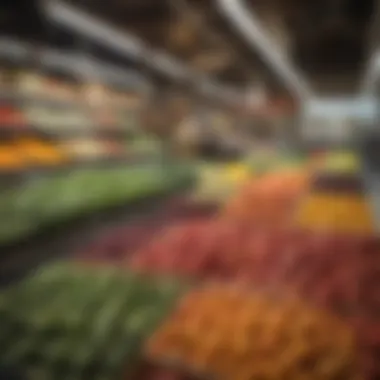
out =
column 82, row 322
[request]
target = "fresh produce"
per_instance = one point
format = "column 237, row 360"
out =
column 337, row 272
column 342, row 162
column 120, row 242
column 216, row 182
column 228, row 334
column 10, row 159
column 71, row 322
column 204, row 249
column 336, row 202
column 47, row 201
column 11, row 117
column 40, row 152
column 270, row 200
column 336, row 212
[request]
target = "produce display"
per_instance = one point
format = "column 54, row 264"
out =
column 218, row 181
column 329, row 211
column 71, row 322
column 43, row 202
column 282, row 284
column 119, row 243
column 336, row 202
column 75, row 116
column 41, row 152
column 9, row 159
column 270, row 200
column 229, row 334
column 333, row 271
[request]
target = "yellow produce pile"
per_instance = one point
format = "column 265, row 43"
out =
column 336, row 212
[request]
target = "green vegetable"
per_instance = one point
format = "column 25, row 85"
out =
column 44, row 202
column 71, row 322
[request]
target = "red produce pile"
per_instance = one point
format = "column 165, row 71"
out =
column 215, row 249
column 119, row 242
column 341, row 273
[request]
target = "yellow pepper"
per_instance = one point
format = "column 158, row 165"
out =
column 336, row 212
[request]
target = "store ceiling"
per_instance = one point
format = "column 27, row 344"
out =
column 327, row 38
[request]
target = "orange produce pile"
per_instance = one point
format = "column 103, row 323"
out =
column 336, row 272
column 270, row 200
column 232, row 335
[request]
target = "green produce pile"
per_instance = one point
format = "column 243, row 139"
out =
column 73, row 322
column 51, row 200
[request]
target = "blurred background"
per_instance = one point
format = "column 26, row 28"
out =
column 158, row 135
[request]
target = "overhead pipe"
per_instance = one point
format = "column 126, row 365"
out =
column 79, row 21
column 122, row 42
column 372, row 73
column 254, row 32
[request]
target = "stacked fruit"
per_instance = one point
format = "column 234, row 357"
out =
column 269, row 200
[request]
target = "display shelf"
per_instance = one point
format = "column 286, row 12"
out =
column 71, row 63
column 104, row 162
column 64, row 133
column 18, row 98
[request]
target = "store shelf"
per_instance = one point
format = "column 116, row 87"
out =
column 71, row 63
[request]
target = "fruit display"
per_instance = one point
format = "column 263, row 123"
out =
column 230, row 334
column 333, row 271
column 11, row 117
column 336, row 202
column 345, row 162
column 9, row 157
column 39, row 152
column 218, row 181
column 344, row 213
column 81, row 323
column 119, row 243
column 269, row 200
column 203, row 249
column 51, row 200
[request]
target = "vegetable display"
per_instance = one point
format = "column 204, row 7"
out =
column 284, row 284
column 51, row 200
column 227, row 334
column 119, row 243
column 68, row 322
column 334, row 271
